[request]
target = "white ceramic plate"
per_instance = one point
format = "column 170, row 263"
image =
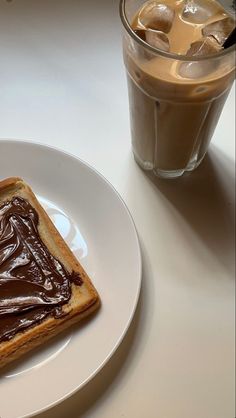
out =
column 98, row 227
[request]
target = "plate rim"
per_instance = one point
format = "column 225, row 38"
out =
column 93, row 170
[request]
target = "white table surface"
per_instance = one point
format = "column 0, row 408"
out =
column 63, row 83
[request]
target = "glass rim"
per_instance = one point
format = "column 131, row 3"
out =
column 165, row 54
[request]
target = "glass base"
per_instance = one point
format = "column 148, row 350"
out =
column 167, row 174
column 194, row 164
column 145, row 165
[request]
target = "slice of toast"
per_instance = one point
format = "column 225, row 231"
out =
column 84, row 298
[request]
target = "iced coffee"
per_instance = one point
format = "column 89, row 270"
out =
column 179, row 76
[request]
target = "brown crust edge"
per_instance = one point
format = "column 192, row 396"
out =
column 33, row 337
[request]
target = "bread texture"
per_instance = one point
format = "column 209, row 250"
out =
column 84, row 298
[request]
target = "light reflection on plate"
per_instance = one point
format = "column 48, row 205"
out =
column 67, row 228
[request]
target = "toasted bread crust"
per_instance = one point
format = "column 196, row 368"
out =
column 84, row 299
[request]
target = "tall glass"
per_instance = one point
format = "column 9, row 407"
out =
column 172, row 117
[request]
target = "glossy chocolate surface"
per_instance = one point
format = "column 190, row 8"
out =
column 33, row 283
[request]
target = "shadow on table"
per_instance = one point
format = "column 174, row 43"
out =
column 205, row 199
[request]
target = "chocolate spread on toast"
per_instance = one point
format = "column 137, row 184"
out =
column 33, row 283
